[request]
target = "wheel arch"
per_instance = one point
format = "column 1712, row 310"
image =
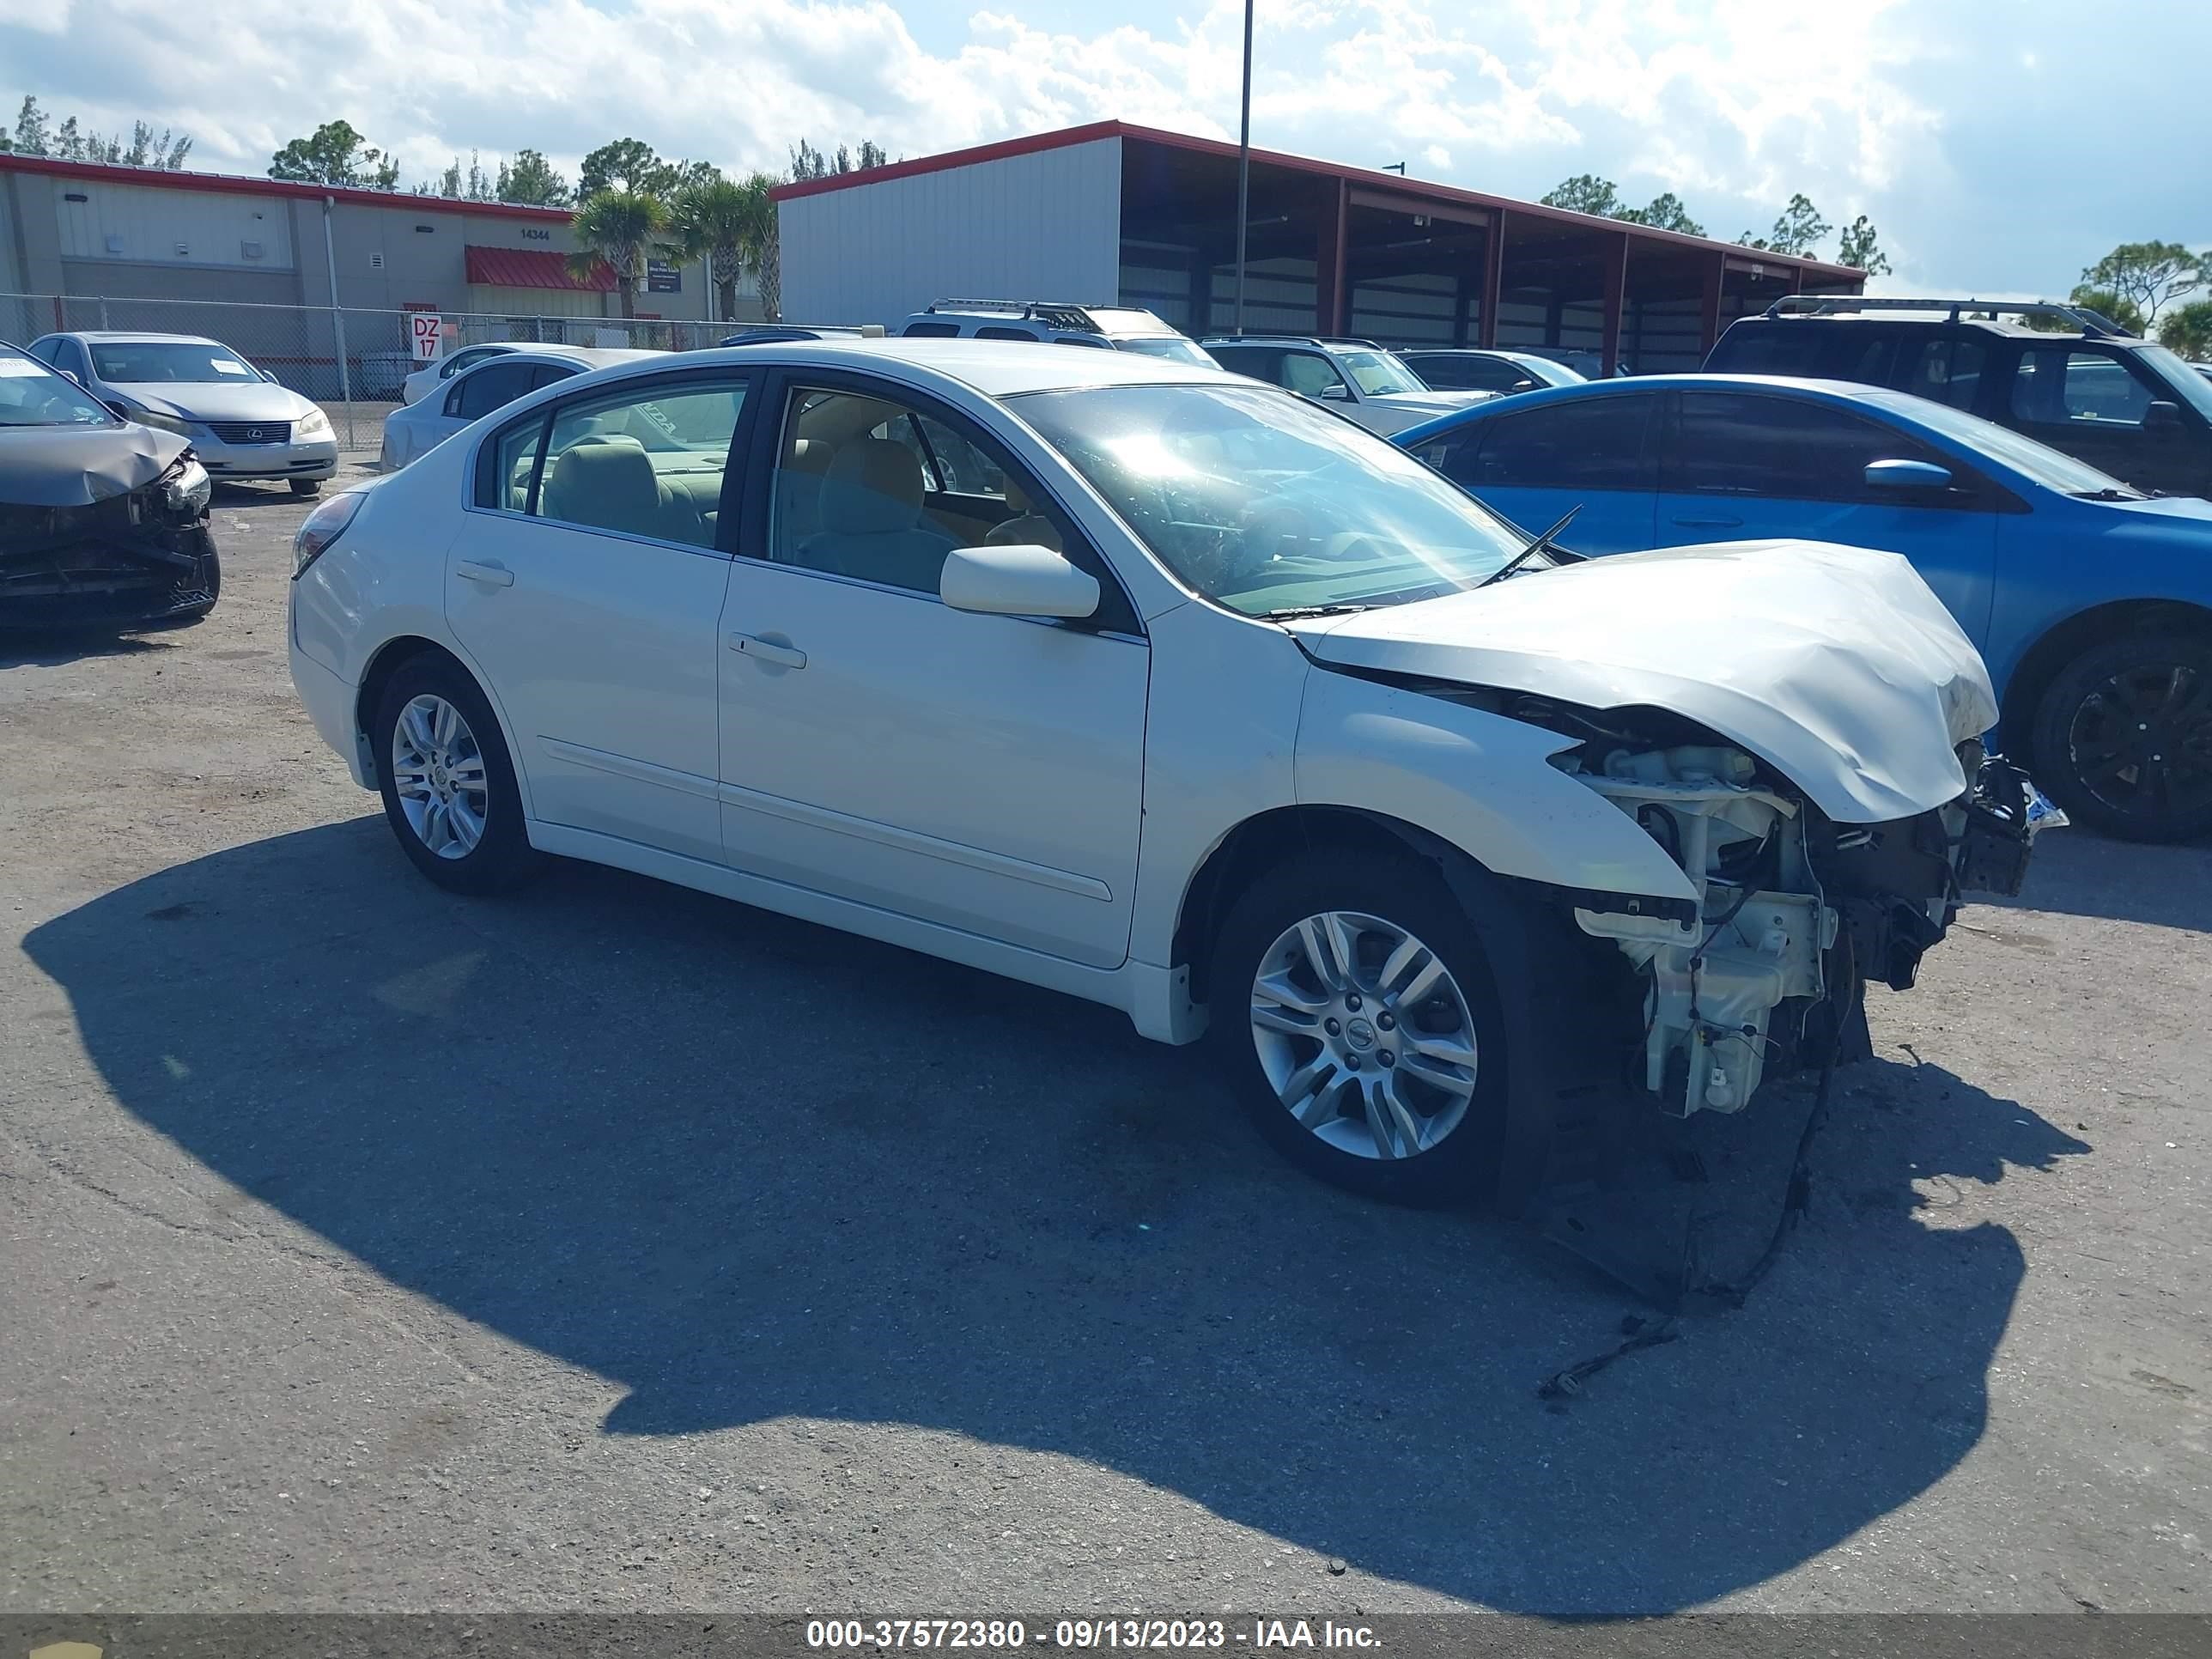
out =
column 2058, row 645
column 386, row 660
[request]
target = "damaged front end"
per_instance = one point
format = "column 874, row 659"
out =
column 144, row 555
column 1794, row 911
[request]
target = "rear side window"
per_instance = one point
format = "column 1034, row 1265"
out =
column 1577, row 443
column 930, row 331
column 1767, row 348
column 1741, row 444
column 1944, row 370
column 991, row 331
column 492, row 386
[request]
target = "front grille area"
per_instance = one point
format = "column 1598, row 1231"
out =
column 252, row 432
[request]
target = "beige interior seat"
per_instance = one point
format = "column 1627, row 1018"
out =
column 1027, row 528
column 799, row 491
column 610, row 484
column 872, row 527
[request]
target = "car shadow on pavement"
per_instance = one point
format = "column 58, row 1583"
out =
column 2080, row 872
column 57, row 648
column 750, row 1168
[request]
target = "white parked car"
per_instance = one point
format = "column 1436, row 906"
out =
column 492, row 382
column 1158, row 687
column 1357, row 378
column 431, row 375
column 241, row 423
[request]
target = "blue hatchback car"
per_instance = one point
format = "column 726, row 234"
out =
column 2091, row 603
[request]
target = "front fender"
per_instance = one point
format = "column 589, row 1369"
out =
column 1478, row 781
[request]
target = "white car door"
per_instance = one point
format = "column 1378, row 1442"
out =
column 983, row 773
column 586, row 586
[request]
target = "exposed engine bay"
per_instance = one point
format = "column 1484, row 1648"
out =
column 138, row 555
column 1794, row 911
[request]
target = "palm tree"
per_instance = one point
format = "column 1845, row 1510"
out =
column 732, row 225
column 623, row 228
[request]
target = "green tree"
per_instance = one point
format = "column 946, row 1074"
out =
column 2114, row 307
column 1584, row 193
column 727, row 223
column 1665, row 213
column 2188, row 329
column 627, row 166
column 334, row 154
column 623, row 228
column 1799, row 229
column 30, row 128
column 2150, row 275
column 532, row 181
column 1857, row 247
column 808, row 162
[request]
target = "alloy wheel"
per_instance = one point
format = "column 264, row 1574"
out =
column 438, row 772
column 2141, row 741
column 1364, row 1035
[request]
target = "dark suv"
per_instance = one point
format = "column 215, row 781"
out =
column 2126, row 406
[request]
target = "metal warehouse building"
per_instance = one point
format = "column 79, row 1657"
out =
column 1111, row 212
column 262, row 264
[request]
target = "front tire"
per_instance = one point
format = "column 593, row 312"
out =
column 1355, row 1012
column 2123, row 738
column 447, row 783
column 306, row 486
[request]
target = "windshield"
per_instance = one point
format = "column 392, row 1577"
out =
column 1264, row 503
column 2039, row 462
column 135, row 362
column 2187, row 379
column 30, row 394
column 1550, row 372
column 1172, row 347
column 1376, row 371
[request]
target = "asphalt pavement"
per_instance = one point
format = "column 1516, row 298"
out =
column 611, row 1247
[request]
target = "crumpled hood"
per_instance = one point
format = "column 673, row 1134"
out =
column 77, row 465
column 216, row 400
column 1835, row 664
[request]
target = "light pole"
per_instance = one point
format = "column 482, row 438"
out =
column 1244, row 166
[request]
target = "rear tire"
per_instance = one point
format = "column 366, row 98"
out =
column 1304, row 1042
column 2123, row 737
column 447, row 783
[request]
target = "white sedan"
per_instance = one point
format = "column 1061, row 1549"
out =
column 428, row 378
column 1158, row 687
column 493, row 381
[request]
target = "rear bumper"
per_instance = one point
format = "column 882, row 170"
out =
column 329, row 700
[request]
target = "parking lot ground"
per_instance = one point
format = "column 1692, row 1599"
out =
column 611, row 1247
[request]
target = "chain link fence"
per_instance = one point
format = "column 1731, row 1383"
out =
column 353, row 363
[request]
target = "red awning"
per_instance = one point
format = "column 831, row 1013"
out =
column 522, row 267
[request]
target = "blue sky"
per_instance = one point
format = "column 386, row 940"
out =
column 1997, row 148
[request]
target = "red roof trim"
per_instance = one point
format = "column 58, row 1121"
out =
column 530, row 267
column 226, row 184
column 1413, row 189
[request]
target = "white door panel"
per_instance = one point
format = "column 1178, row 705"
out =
column 601, row 649
column 983, row 773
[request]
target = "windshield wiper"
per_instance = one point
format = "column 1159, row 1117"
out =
column 2109, row 494
column 1301, row 612
column 1541, row 544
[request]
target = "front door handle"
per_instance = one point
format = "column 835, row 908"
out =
column 488, row 574
column 774, row 650
column 1709, row 523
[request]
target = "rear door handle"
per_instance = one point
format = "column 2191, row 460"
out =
column 774, row 650
column 1709, row 523
column 491, row 575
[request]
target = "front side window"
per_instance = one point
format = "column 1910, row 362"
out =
column 2179, row 380
column 642, row 460
column 1311, row 375
column 1263, row 504
column 993, row 332
column 2053, row 387
column 487, row 387
column 148, row 362
column 1576, row 443
column 1735, row 444
column 931, row 331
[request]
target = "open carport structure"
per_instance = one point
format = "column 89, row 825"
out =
column 1115, row 213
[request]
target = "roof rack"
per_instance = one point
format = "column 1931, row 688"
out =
column 1053, row 313
column 2089, row 322
column 1299, row 339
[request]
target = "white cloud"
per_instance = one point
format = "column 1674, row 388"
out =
column 1978, row 166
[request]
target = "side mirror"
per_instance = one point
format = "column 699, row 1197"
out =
column 121, row 411
column 1016, row 581
column 1907, row 475
column 1337, row 392
column 2162, row 416
column 70, row 375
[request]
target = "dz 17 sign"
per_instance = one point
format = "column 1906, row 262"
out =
column 424, row 327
